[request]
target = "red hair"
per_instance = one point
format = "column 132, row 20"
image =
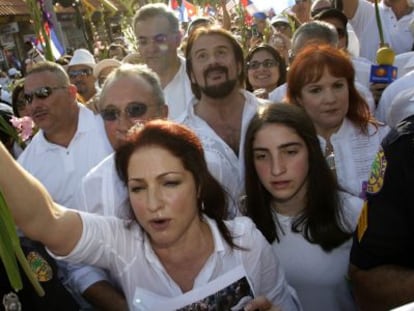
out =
column 309, row 66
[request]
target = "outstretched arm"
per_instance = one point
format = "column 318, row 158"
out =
column 33, row 209
column 382, row 287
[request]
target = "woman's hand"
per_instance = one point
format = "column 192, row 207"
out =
column 261, row 303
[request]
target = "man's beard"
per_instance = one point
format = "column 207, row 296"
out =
column 220, row 90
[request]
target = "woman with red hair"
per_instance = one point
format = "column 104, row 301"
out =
column 321, row 81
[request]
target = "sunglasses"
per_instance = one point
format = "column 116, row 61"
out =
column 133, row 110
column 41, row 93
column 79, row 73
column 268, row 63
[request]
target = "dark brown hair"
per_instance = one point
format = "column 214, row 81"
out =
column 322, row 219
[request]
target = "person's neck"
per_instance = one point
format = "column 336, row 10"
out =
column 184, row 260
column 89, row 95
column 221, row 108
column 169, row 74
column 400, row 8
column 64, row 134
column 290, row 208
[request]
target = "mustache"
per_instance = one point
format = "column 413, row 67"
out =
column 215, row 68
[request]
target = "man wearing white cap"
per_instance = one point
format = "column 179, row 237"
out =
column 80, row 70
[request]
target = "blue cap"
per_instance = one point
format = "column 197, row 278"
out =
column 259, row 15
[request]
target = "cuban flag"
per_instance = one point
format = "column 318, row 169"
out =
column 249, row 6
column 185, row 11
column 57, row 48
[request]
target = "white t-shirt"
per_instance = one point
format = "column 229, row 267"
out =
column 223, row 163
column 177, row 93
column 319, row 277
column 397, row 33
column 127, row 253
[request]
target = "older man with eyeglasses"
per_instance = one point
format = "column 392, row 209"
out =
column 71, row 141
column 80, row 71
column 156, row 28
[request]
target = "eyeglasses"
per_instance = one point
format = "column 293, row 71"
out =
column 133, row 110
column 79, row 73
column 41, row 93
column 268, row 63
column 157, row 39
column 341, row 32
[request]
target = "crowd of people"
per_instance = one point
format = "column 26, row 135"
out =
column 219, row 169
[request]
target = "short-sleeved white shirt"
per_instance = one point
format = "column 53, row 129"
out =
column 223, row 163
column 60, row 169
column 397, row 33
column 127, row 253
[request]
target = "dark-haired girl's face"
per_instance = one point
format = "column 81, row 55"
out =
column 280, row 158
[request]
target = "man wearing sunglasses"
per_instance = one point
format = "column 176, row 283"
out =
column 80, row 71
column 71, row 140
column 131, row 95
column 158, row 35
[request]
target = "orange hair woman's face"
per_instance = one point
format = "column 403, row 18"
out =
column 326, row 101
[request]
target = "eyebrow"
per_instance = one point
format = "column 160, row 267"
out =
column 158, row 177
column 282, row 146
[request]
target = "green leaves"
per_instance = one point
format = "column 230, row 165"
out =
column 11, row 251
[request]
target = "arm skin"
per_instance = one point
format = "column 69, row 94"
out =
column 383, row 287
column 349, row 7
column 104, row 297
column 33, row 209
column 226, row 16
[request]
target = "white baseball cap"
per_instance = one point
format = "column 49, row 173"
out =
column 82, row 57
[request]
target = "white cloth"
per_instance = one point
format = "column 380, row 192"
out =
column 128, row 254
column 404, row 63
column 390, row 92
column 362, row 68
column 278, row 95
column 61, row 170
column 178, row 94
column 397, row 33
column 222, row 162
column 354, row 154
column 102, row 192
column 319, row 277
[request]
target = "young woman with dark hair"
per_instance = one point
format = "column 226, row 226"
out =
column 293, row 198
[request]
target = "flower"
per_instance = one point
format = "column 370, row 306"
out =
column 24, row 127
